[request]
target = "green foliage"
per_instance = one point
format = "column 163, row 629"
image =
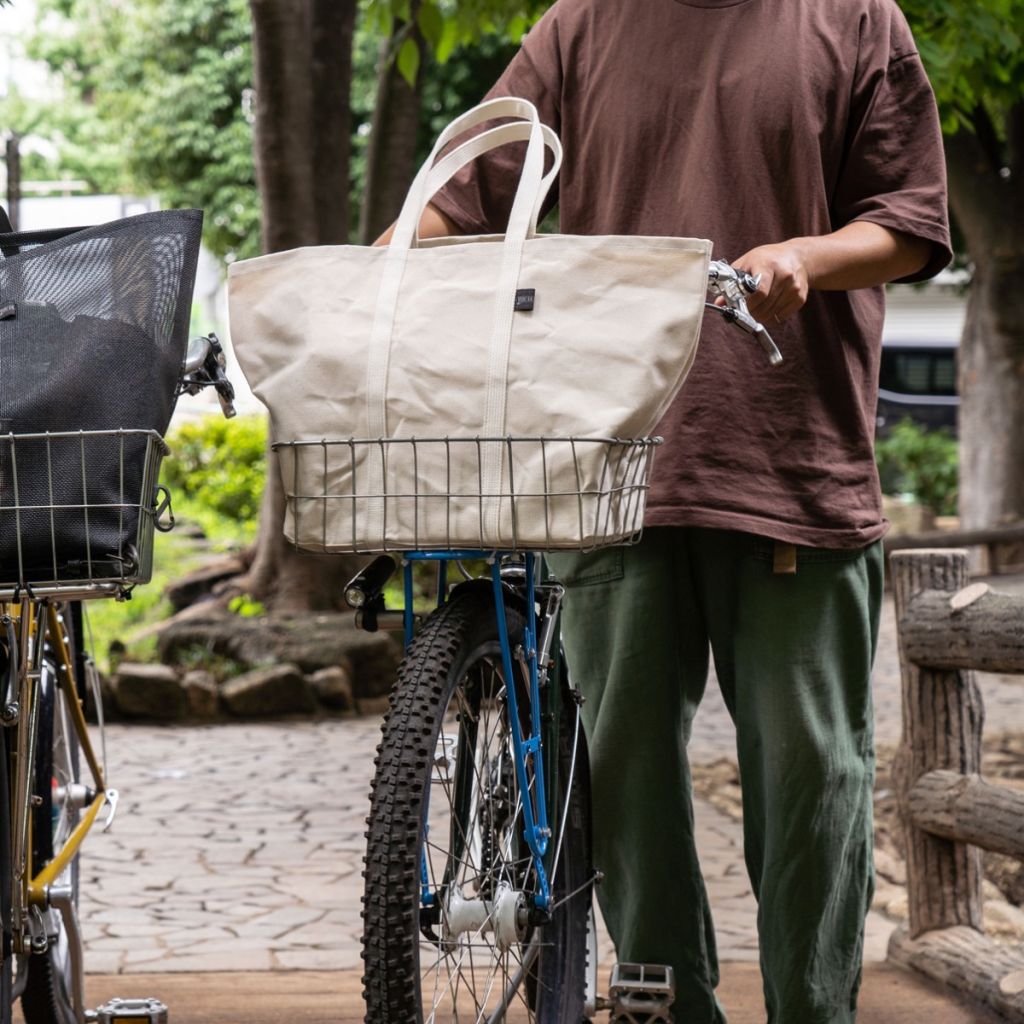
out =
column 153, row 101
column 920, row 463
column 447, row 25
column 246, row 607
column 974, row 53
column 123, row 626
column 198, row 657
column 219, row 466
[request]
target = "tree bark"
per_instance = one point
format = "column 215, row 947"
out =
column 391, row 159
column 988, row 201
column 302, row 56
column 942, row 723
column 985, row 635
column 990, row 974
column 967, row 809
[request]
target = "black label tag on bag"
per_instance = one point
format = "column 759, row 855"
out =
column 524, row 299
column 8, row 310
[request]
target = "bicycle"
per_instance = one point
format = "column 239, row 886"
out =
column 479, row 882
column 78, row 511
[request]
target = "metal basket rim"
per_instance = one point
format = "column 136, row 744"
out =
column 153, row 435
column 652, row 441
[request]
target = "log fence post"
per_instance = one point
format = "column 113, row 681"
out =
column 942, row 723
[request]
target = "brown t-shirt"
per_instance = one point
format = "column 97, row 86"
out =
column 746, row 122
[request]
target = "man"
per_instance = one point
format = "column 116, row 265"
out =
column 801, row 137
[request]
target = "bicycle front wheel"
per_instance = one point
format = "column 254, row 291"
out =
column 51, row 977
column 450, row 927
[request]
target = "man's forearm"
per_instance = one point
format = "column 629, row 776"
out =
column 433, row 224
column 859, row 255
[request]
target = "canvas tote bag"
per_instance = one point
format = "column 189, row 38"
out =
column 474, row 392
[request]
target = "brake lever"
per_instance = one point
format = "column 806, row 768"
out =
column 732, row 286
column 205, row 366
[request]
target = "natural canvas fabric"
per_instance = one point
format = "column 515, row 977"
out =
column 484, row 338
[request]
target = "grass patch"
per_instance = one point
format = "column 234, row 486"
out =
column 110, row 621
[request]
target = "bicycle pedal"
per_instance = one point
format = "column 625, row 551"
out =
column 642, row 994
column 124, row 1010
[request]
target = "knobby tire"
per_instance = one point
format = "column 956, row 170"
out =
column 457, row 644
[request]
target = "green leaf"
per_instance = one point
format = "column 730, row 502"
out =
column 431, row 23
column 409, row 61
column 449, row 40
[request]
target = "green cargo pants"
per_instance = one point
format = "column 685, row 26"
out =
column 793, row 654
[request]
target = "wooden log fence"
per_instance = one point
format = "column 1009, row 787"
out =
column 995, row 540
column 947, row 629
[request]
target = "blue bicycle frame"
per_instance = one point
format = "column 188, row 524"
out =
column 535, row 813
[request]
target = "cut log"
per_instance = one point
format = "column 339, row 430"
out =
column 942, row 722
column 968, row 962
column 967, row 809
column 985, row 634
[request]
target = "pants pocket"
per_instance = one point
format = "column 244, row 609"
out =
column 575, row 569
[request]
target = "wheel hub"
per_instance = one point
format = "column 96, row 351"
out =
column 505, row 916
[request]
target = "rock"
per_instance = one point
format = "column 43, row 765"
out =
column 333, row 688
column 203, row 694
column 1003, row 919
column 889, row 867
column 373, row 706
column 277, row 690
column 149, row 691
column 898, row 906
column 194, row 586
column 311, row 642
column 887, row 893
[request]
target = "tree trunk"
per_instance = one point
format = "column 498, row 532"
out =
column 302, row 56
column 391, row 159
column 988, row 200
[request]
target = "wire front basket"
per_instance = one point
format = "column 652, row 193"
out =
column 78, row 509
column 429, row 494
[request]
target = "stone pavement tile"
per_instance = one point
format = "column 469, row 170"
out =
column 99, row 962
column 281, row 874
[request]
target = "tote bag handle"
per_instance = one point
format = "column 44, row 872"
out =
column 522, row 220
column 530, row 195
column 447, row 168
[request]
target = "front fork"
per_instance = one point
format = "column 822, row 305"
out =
column 530, row 747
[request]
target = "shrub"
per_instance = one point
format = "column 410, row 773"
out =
column 220, row 464
column 922, row 463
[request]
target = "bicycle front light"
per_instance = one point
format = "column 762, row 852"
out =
column 366, row 586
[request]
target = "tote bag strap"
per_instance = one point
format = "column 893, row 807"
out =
column 533, row 188
column 453, row 162
column 520, row 220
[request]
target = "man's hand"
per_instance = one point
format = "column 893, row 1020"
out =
column 784, row 281
column 859, row 255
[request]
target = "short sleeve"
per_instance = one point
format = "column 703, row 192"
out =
column 894, row 171
column 479, row 198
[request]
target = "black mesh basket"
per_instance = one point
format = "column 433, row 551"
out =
column 93, row 331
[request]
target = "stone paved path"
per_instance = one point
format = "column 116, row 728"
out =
column 238, row 847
